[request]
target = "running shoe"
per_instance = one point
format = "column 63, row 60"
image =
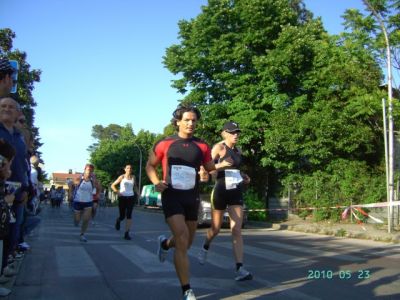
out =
column 127, row 236
column 117, row 224
column 189, row 295
column 19, row 256
column 24, row 246
column 83, row 238
column 202, row 256
column 4, row 292
column 162, row 254
column 242, row 274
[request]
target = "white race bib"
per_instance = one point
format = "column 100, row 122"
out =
column 232, row 178
column 183, row 177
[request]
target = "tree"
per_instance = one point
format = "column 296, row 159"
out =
column 380, row 31
column 304, row 99
column 118, row 146
column 217, row 58
column 26, row 80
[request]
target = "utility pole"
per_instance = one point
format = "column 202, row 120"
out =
column 391, row 151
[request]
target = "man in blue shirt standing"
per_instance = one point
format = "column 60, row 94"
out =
column 19, row 168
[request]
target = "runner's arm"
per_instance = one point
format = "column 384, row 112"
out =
column 151, row 170
column 115, row 183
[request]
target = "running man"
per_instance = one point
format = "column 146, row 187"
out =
column 126, row 199
column 96, row 196
column 183, row 158
column 83, row 200
column 227, row 193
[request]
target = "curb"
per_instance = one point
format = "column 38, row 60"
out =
column 11, row 282
column 336, row 230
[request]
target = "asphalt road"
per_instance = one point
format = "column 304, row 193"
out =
column 285, row 265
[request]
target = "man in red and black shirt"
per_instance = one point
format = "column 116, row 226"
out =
column 185, row 161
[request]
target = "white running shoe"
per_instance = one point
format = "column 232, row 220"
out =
column 4, row 292
column 83, row 238
column 189, row 295
column 242, row 274
column 202, row 256
column 162, row 254
column 24, row 246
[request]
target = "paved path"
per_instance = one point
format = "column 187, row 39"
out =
column 287, row 265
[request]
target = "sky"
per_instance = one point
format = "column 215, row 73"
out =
column 101, row 63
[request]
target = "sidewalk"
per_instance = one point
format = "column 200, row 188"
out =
column 11, row 279
column 373, row 232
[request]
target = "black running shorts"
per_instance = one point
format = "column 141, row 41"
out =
column 221, row 197
column 180, row 203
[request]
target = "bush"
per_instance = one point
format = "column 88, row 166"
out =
column 342, row 183
column 254, row 201
column 320, row 214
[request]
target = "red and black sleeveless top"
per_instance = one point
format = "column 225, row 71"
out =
column 175, row 152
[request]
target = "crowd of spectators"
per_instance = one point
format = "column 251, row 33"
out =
column 20, row 186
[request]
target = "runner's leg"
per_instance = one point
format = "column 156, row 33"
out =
column 180, row 241
column 236, row 216
column 87, row 214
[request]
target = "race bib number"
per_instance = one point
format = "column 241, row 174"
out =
column 232, row 178
column 183, row 177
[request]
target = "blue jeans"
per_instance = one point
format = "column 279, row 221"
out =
column 30, row 223
column 16, row 231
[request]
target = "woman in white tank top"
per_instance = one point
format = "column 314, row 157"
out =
column 126, row 199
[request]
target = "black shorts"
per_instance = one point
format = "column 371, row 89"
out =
column 221, row 197
column 79, row 206
column 180, row 203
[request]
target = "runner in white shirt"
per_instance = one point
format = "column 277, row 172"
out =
column 126, row 199
column 83, row 200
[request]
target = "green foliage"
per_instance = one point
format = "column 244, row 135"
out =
column 341, row 232
column 26, row 80
column 367, row 30
column 309, row 104
column 253, row 201
column 117, row 147
column 341, row 184
column 321, row 214
column 304, row 213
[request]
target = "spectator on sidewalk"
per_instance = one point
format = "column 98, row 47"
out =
column 7, row 153
column 19, row 167
column 6, row 81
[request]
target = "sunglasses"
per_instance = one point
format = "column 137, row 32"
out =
column 234, row 132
